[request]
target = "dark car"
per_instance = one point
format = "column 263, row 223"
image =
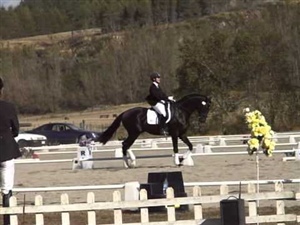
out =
column 63, row 133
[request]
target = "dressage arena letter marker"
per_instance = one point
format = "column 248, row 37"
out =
column 83, row 153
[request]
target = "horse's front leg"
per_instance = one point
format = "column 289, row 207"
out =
column 175, row 150
column 187, row 157
column 185, row 140
column 175, row 144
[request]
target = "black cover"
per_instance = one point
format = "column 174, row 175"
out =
column 233, row 212
column 154, row 187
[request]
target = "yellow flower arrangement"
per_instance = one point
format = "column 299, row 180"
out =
column 261, row 133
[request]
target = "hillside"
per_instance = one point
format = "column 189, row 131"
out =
column 44, row 41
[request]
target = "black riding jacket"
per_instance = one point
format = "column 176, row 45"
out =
column 9, row 128
column 156, row 95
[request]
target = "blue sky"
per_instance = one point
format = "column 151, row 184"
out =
column 8, row 3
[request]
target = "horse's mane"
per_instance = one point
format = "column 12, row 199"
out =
column 190, row 96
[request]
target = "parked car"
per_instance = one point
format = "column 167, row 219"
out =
column 30, row 140
column 63, row 133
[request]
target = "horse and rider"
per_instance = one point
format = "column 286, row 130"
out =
column 135, row 120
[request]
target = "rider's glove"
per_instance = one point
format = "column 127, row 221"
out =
column 171, row 99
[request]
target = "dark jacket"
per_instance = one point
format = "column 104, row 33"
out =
column 156, row 95
column 9, row 128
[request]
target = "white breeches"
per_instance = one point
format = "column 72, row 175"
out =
column 160, row 108
column 7, row 175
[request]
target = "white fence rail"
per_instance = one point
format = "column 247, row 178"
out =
column 207, row 151
column 186, row 184
column 197, row 201
column 203, row 146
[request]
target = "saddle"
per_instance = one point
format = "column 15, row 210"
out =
column 153, row 117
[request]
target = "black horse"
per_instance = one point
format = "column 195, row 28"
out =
column 135, row 122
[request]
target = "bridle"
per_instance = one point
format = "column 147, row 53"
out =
column 202, row 115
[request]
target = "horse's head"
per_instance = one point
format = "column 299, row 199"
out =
column 195, row 102
column 203, row 108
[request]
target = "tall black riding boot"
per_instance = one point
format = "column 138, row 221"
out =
column 5, row 203
column 163, row 126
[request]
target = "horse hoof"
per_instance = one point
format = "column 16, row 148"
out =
column 129, row 164
column 133, row 164
column 178, row 160
column 125, row 162
column 187, row 159
column 126, row 166
column 177, row 164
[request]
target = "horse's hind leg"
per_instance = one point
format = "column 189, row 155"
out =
column 126, row 144
column 175, row 150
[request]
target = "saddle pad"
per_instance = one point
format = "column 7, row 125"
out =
column 152, row 118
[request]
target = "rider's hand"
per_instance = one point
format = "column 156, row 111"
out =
column 171, row 99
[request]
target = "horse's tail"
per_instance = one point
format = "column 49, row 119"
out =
column 108, row 133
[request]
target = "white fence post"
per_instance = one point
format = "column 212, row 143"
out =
column 224, row 189
column 91, row 214
column 65, row 216
column 222, row 141
column 13, row 218
column 171, row 208
column 198, row 214
column 117, row 212
column 252, row 204
column 292, row 139
column 211, row 141
column 279, row 203
column 144, row 211
column 39, row 218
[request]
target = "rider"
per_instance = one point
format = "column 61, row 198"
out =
column 9, row 150
column 159, row 101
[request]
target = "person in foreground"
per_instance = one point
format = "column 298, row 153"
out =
column 159, row 101
column 9, row 150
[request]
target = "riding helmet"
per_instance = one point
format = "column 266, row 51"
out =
column 154, row 75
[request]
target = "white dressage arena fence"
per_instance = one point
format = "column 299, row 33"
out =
column 204, row 146
column 293, row 158
column 196, row 203
column 85, row 157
